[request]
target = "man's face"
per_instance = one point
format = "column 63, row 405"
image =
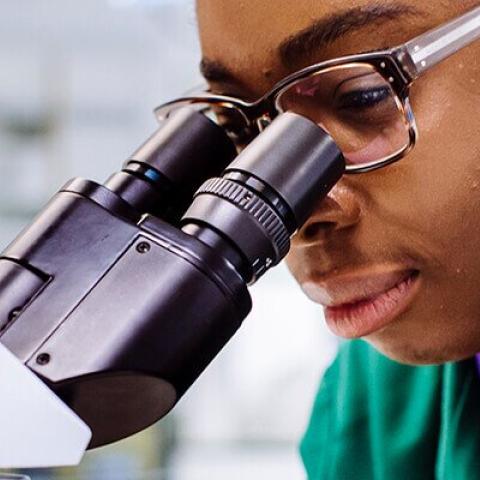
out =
column 405, row 238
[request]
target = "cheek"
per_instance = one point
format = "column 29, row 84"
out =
column 437, row 210
column 445, row 166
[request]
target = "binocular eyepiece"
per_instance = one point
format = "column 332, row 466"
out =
column 249, row 208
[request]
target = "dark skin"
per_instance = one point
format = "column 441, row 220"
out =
column 422, row 212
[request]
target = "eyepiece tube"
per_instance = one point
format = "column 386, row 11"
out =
column 269, row 191
column 297, row 159
column 162, row 175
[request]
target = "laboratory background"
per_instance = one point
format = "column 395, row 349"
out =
column 78, row 83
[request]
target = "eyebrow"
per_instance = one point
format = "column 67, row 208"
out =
column 214, row 71
column 325, row 31
column 321, row 33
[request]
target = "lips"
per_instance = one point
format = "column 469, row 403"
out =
column 352, row 288
column 360, row 303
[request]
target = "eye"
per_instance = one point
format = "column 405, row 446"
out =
column 363, row 99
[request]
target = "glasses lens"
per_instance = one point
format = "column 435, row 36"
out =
column 230, row 118
column 357, row 106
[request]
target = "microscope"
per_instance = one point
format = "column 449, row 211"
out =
column 118, row 296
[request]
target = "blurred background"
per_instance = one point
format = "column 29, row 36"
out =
column 78, row 82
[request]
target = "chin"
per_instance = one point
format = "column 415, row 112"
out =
column 412, row 353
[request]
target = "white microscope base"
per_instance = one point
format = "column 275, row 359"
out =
column 36, row 428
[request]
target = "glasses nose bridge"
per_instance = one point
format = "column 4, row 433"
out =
column 263, row 122
column 262, row 113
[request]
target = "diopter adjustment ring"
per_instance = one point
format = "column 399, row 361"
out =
column 255, row 206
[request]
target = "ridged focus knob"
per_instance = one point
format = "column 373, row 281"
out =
column 253, row 205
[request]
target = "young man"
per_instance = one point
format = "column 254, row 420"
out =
column 392, row 254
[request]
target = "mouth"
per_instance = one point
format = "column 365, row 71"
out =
column 356, row 307
column 367, row 315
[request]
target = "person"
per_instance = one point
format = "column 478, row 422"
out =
column 391, row 253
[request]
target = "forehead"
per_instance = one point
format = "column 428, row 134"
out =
column 246, row 37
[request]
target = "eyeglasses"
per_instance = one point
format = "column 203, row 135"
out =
column 361, row 100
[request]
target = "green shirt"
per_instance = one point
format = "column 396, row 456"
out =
column 376, row 419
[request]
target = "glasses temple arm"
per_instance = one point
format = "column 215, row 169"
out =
column 432, row 47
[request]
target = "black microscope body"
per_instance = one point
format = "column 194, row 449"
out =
column 119, row 295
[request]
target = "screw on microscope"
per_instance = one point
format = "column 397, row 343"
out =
column 143, row 247
column 43, row 358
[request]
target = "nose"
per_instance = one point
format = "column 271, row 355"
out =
column 339, row 210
